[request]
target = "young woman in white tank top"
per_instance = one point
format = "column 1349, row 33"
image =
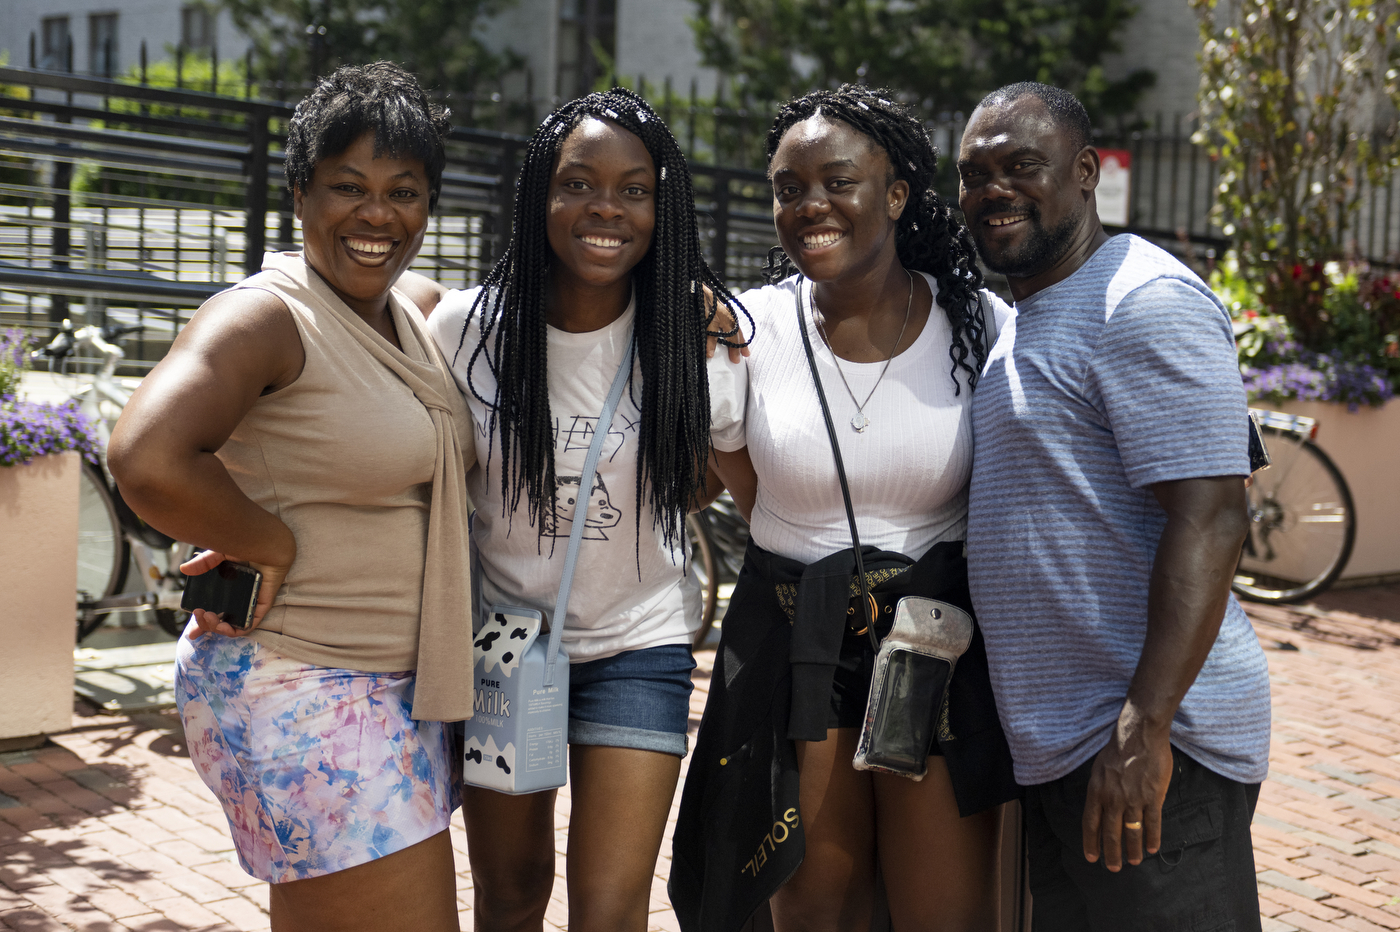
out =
column 883, row 278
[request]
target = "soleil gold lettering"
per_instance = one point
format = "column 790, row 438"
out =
column 772, row 839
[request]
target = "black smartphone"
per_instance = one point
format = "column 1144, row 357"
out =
column 231, row 589
column 911, row 698
column 1258, row 452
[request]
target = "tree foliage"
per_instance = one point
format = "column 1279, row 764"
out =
column 438, row 40
column 1298, row 102
column 945, row 53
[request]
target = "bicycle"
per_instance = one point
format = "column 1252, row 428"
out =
column 1302, row 523
column 110, row 535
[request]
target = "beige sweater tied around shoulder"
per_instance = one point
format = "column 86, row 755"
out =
column 364, row 457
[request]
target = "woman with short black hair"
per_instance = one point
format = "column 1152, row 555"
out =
column 305, row 423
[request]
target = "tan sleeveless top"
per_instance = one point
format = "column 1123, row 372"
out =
column 363, row 458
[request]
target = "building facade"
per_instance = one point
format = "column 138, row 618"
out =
column 104, row 37
column 643, row 38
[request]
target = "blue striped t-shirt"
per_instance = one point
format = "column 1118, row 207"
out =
column 1120, row 376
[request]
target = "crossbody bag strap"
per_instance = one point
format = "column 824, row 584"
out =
column 580, row 518
column 989, row 337
column 865, row 606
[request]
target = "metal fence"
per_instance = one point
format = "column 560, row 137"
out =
column 131, row 203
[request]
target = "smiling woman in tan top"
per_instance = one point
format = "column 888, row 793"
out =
column 306, row 424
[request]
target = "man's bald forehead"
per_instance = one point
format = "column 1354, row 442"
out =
column 1063, row 109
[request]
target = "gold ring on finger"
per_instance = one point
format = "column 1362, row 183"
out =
column 1133, row 826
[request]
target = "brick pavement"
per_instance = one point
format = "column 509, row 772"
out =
column 108, row 828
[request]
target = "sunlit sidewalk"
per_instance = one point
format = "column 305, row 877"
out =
column 109, row 828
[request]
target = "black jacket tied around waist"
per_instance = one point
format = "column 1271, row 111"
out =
column 740, row 836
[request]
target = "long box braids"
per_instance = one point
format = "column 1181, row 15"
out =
column 669, row 335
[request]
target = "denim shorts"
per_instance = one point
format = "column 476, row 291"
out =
column 636, row 699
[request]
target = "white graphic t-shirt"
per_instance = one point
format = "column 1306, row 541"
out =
column 613, row 606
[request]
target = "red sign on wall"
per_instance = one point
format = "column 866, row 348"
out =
column 1115, row 174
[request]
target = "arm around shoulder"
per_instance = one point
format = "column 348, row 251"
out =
column 421, row 290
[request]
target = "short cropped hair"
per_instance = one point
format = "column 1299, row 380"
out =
column 381, row 98
column 1064, row 108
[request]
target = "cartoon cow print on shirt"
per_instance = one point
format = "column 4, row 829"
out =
column 600, row 511
column 502, row 641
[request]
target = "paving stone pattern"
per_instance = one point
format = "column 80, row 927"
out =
column 109, row 829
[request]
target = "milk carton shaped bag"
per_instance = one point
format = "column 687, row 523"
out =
column 517, row 736
column 519, row 729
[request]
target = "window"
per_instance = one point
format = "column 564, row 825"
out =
column 196, row 27
column 582, row 23
column 102, row 44
column 56, row 43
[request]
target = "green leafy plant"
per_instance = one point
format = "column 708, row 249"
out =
column 1290, row 93
column 14, row 169
column 946, row 54
column 1341, row 345
column 438, row 40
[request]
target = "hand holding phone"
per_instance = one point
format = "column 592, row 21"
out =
column 228, row 589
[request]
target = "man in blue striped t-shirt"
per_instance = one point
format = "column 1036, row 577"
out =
column 1107, row 513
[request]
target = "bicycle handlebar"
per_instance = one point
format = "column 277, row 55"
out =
column 61, row 345
column 114, row 332
column 106, row 341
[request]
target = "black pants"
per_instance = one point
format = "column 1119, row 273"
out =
column 1202, row 879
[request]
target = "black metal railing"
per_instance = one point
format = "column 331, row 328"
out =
column 133, row 202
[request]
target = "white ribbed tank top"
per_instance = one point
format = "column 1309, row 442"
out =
column 908, row 471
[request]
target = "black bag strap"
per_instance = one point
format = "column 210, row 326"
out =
column 866, row 606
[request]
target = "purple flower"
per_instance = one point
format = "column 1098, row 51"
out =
column 1320, row 377
column 31, row 429
column 12, row 346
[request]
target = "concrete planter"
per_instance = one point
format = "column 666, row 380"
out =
column 1365, row 445
column 38, row 578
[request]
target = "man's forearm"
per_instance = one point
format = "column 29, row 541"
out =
column 1189, row 588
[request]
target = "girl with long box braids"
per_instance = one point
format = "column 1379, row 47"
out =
column 882, row 277
column 604, row 255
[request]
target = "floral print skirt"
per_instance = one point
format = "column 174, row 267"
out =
column 317, row 769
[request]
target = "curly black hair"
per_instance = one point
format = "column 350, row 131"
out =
column 381, row 98
column 929, row 237
column 668, row 335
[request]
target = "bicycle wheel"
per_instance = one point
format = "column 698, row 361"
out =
column 102, row 547
column 1302, row 524
column 702, row 564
